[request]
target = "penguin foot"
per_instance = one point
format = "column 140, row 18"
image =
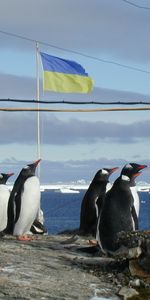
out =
column 93, row 242
column 25, row 238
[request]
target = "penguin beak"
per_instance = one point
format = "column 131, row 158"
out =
column 10, row 174
column 140, row 167
column 37, row 162
column 113, row 170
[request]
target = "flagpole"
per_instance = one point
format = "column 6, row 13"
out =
column 38, row 106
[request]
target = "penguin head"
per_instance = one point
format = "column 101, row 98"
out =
column 29, row 170
column 4, row 177
column 138, row 167
column 103, row 174
column 132, row 170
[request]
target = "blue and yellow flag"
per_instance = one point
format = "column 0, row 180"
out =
column 65, row 76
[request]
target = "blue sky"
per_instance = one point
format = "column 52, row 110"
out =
column 75, row 145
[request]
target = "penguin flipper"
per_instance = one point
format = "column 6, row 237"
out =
column 10, row 215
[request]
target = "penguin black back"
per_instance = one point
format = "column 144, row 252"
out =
column 92, row 201
column 116, row 214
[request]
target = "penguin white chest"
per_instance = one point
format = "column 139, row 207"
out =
column 30, row 202
column 136, row 199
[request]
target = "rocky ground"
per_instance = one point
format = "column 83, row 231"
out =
column 53, row 267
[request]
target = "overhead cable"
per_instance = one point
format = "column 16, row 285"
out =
column 136, row 5
column 77, row 102
column 76, row 52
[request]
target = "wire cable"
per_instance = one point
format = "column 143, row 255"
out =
column 78, row 102
column 76, row 52
column 136, row 5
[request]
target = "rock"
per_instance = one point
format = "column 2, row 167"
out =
column 45, row 269
column 145, row 259
column 126, row 252
column 127, row 292
column 138, row 271
column 52, row 267
column 145, row 263
column 135, row 283
column 134, row 252
column 148, row 246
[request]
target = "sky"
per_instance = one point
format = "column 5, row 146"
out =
column 110, row 39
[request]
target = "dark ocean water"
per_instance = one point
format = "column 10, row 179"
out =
column 62, row 211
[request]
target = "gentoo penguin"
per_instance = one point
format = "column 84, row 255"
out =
column 24, row 202
column 38, row 224
column 38, row 228
column 116, row 214
column 4, row 196
column 133, row 168
column 92, row 201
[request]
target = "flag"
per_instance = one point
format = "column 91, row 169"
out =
column 65, row 76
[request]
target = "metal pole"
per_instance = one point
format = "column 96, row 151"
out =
column 38, row 106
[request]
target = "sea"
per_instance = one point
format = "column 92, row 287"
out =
column 62, row 210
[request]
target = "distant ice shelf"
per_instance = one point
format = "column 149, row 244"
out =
column 64, row 188
column 68, row 190
column 76, row 188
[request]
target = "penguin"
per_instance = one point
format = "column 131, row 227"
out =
column 4, row 177
column 24, row 202
column 134, row 168
column 4, row 197
column 38, row 224
column 38, row 228
column 92, row 201
column 117, row 212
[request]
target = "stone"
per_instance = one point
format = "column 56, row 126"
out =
column 46, row 269
column 54, row 267
column 135, row 252
column 127, row 292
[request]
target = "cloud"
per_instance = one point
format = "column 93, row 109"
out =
column 21, row 128
column 21, row 87
column 110, row 27
column 12, row 86
column 73, row 170
column 77, row 131
column 106, row 29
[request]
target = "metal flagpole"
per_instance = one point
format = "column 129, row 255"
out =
column 38, row 106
